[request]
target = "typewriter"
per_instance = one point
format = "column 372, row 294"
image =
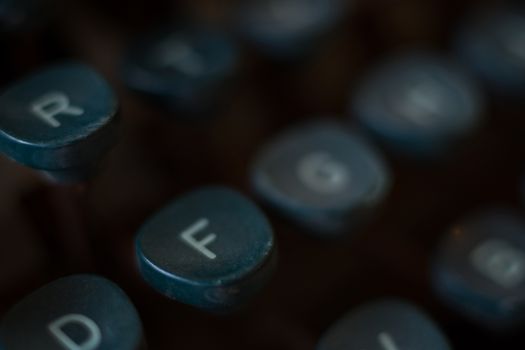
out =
column 262, row 174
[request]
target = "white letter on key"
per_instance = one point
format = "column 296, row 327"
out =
column 188, row 236
column 92, row 341
column 52, row 104
column 386, row 341
column 322, row 173
column 176, row 54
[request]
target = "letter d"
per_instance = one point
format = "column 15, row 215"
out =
column 92, row 340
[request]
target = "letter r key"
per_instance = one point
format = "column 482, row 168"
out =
column 61, row 120
column 52, row 104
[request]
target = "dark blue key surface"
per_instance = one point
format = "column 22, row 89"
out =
column 78, row 312
column 480, row 268
column 212, row 248
column 184, row 68
column 492, row 43
column 322, row 175
column 288, row 28
column 61, row 118
column 418, row 104
column 387, row 324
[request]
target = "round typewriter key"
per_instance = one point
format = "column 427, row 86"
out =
column 79, row 312
column 384, row 325
column 62, row 120
column 322, row 176
column 418, row 104
column 480, row 268
column 288, row 28
column 184, row 69
column 212, row 249
column 492, row 42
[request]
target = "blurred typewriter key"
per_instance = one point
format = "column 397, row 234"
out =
column 213, row 249
column 322, row 176
column 18, row 14
column 61, row 120
column 522, row 189
column 492, row 42
column 480, row 269
column 287, row 29
column 384, row 325
column 186, row 70
column 79, row 312
column 418, row 104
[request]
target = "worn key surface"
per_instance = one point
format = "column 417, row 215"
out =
column 85, row 312
column 315, row 283
column 211, row 248
column 61, row 120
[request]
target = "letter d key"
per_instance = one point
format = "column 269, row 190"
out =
column 79, row 312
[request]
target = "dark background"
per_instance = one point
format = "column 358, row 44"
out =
column 49, row 231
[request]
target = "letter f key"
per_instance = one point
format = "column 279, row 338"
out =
column 188, row 237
